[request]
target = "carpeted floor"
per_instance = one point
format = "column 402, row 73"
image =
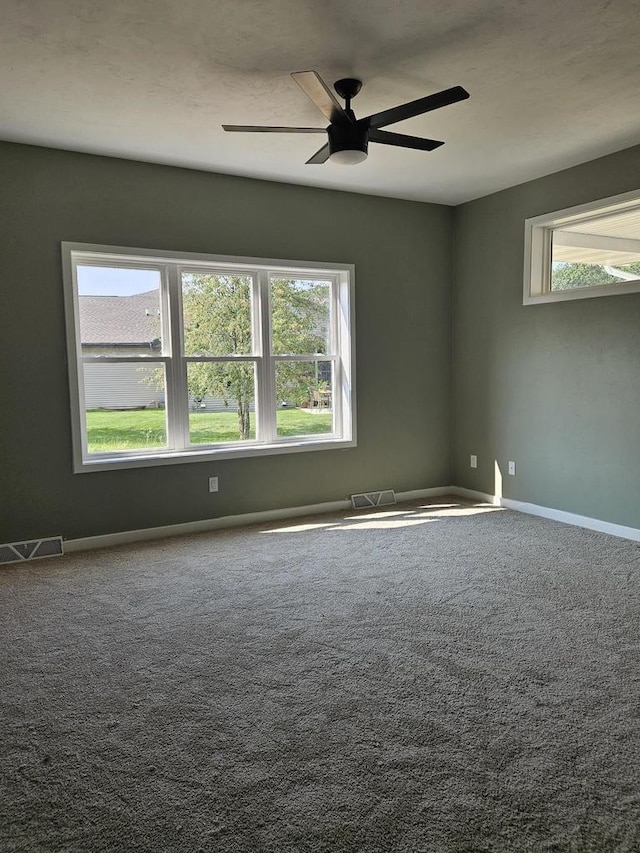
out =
column 445, row 678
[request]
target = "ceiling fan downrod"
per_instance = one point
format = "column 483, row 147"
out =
column 347, row 88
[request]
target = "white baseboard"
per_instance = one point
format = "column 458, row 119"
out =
column 553, row 514
column 127, row 536
column 475, row 496
column 418, row 494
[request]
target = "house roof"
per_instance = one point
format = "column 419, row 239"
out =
column 119, row 320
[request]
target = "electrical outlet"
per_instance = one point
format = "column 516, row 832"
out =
column 473, row 461
column 512, row 469
column 213, row 484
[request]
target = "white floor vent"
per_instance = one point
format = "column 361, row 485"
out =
column 369, row 499
column 33, row 549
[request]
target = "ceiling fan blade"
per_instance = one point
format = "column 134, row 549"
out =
column 416, row 108
column 403, row 140
column 241, row 128
column 321, row 156
column 317, row 90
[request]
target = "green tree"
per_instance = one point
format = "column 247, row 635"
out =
column 299, row 325
column 566, row 276
column 218, row 322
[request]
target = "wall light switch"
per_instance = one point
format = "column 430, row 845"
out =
column 213, row 484
column 512, row 469
column 473, row 461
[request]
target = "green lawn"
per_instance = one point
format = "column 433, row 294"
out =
column 145, row 428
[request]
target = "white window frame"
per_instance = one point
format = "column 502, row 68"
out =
column 538, row 238
column 170, row 265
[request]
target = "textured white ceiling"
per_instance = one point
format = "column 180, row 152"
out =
column 552, row 84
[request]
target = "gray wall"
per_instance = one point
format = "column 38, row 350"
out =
column 402, row 255
column 554, row 387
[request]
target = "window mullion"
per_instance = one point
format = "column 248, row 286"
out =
column 345, row 379
column 336, row 350
column 79, row 422
column 266, row 391
column 127, row 359
column 177, row 402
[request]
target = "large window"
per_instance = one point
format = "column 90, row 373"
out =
column 586, row 251
column 187, row 357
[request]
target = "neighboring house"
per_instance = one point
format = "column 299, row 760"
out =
column 124, row 326
column 120, row 325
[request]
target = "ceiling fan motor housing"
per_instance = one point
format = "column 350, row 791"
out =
column 348, row 137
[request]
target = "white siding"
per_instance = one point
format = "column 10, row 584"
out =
column 123, row 386
column 120, row 386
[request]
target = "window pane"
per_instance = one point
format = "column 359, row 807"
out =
column 305, row 399
column 119, row 311
column 568, row 276
column 598, row 251
column 217, row 314
column 300, row 316
column 124, row 407
column 221, row 401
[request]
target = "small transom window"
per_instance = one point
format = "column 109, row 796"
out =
column 582, row 252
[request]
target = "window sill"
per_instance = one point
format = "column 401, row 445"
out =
column 583, row 293
column 142, row 460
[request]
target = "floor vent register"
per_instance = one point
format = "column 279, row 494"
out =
column 32, row 549
column 366, row 500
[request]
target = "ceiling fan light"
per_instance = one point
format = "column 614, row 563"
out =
column 348, row 143
column 348, row 157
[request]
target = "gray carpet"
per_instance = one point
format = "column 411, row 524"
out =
column 448, row 679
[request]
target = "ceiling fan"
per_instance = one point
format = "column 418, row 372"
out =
column 349, row 137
